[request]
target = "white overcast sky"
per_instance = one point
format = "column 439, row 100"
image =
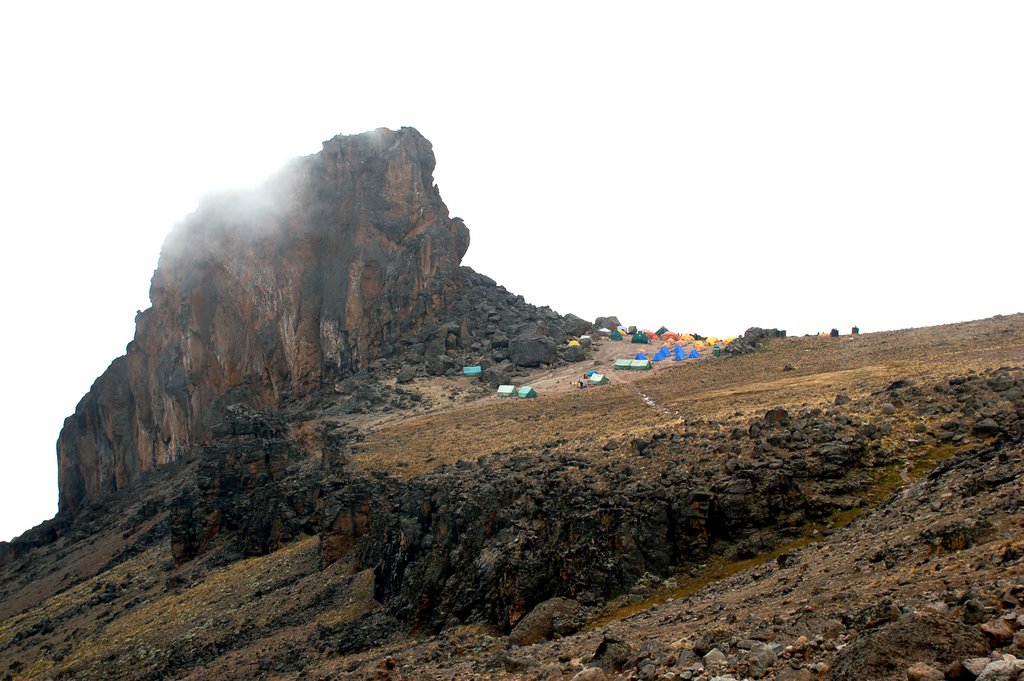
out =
column 706, row 166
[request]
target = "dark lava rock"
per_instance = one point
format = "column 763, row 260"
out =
column 575, row 326
column 986, row 426
column 498, row 374
column 751, row 339
column 885, row 653
column 776, row 416
column 574, row 353
column 406, row 373
column 560, row 616
column 372, row 629
column 532, row 350
column 613, row 655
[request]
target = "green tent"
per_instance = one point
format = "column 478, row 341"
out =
column 623, row 363
column 640, row 364
column 526, row 392
column 661, row 331
column 615, row 335
column 599, row 379
column 641, row 337
column 506, row 391
column 471, row 371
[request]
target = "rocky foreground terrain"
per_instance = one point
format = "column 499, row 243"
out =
column 859, row 516
column 259, row 491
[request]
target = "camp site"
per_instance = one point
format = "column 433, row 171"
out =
column 614, row 355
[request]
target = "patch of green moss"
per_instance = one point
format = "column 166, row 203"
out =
column 932, row 457
column 717, row 570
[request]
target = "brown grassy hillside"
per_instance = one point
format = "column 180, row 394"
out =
column 926, row 525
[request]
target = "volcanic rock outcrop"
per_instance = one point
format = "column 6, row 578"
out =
column 267, row 294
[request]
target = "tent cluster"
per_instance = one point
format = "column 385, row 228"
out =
column 669, row 338
column 678, row 347
column 525, row 392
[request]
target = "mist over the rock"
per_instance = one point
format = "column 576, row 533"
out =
column 267, row 294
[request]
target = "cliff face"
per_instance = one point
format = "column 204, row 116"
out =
column 267, row 294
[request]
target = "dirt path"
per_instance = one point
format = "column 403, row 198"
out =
column 649, row 401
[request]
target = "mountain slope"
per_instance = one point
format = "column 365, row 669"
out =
column 907, row 463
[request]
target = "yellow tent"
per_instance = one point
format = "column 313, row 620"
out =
column 728, row 340
column 712, row 340
column 699, row 345
column 574, row 344
column 687, row 338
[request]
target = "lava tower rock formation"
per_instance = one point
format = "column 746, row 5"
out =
column 266, row 295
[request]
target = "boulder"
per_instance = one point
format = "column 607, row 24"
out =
column 576, row 326
column 967, row 670
column 776, row 416
column 499, row 340
column 750, row 340
column 498, row 374
column 613, row 655
column 574, row 353
column 532, row 351
column 986, row 426
column 606, row 322
column 561, row 616
column 1007, row 669
column 406, row 373
column 760, row 658
column 714, row 658
column 998, row 631
column 888, row 651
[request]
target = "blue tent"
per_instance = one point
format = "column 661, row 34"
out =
column 640, row 355
column 694, row 354
column 662, row 354
column 591, row 373
column 678, row 354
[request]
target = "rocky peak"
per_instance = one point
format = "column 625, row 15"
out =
column 268, row 294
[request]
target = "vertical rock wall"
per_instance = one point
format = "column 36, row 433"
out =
column 266, row 294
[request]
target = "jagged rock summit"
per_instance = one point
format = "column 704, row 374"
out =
column 268, row 294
